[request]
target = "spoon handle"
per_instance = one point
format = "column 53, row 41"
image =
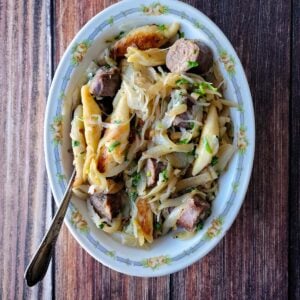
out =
column 38, row 266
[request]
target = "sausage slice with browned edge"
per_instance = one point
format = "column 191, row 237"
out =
column 185, row 54
column 195, row 211
column 107, row 206
column 106, row 82
column 153, row 168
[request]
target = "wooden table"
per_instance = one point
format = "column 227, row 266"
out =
column 258, row 259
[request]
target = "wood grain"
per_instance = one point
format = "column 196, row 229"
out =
column 260, row 256
column 25, row 197
column 294, row 194
column 251, row 262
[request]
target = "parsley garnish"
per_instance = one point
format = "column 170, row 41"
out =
column 180, row 34
column 136, row 177
column 184, row 141
column 132, row 196
column 162, row 27
column 75, row 143
column 101, row 225
column 192, row 153
column 203, row 87
column 207, row 146
column 214, row 160
column 192, row 64
column 157, row 226
column 117, row 37
column 182, row 81
column 112, row 147
column 199, row 226
column 164, row 174
column 191, row 125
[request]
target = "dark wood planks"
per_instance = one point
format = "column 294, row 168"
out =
column 294, row 194
column 251, row 262
column 25, row 198
column 86, row 278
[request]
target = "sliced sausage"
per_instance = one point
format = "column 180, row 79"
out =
column 184, row 55
column 195, row 211
column 153, row 168
column 107, row 206
column 106, row 82
column 179, row 120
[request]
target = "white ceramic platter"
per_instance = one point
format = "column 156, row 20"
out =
column 167, row 254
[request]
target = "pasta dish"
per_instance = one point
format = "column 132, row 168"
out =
column 152, row 135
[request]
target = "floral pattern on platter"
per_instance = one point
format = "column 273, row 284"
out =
column 235, row 186
column 110, row 21
column 228, row 62
column 242, row 140
column 156, row 262
column 198, row 25
column 79, row 222
column 79, row 50
column 215, row 228
column 56, row 129
column 155, row 9
column 112, row 254
column 60, row 177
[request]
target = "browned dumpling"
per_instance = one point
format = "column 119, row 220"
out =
column 145, row 37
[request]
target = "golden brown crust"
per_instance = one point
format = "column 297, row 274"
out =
column 144, row 38
column 145, row 219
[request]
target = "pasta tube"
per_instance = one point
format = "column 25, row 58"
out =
column 92, row 125
column 78, row 145
column 209, row 143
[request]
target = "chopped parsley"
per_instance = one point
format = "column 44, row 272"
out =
column 112, row 147
column 117, row 37
column 203, row 87
column 191, row 125
column 192, row 64
column 132, row 196
column 184, row 141
column 214, row 160
column 148, row 174
column 182, row 81
column 159, row 125
column 136, row 177
column 199, row 226
column 207, row 146
column 75, row 143
column 180, row 34
column 162, row 27
column 117, row 121
column 164, row 174
column 101, row 225
column 192, row 153
column 157, row 226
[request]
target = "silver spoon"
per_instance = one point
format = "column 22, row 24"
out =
column 38, row 266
